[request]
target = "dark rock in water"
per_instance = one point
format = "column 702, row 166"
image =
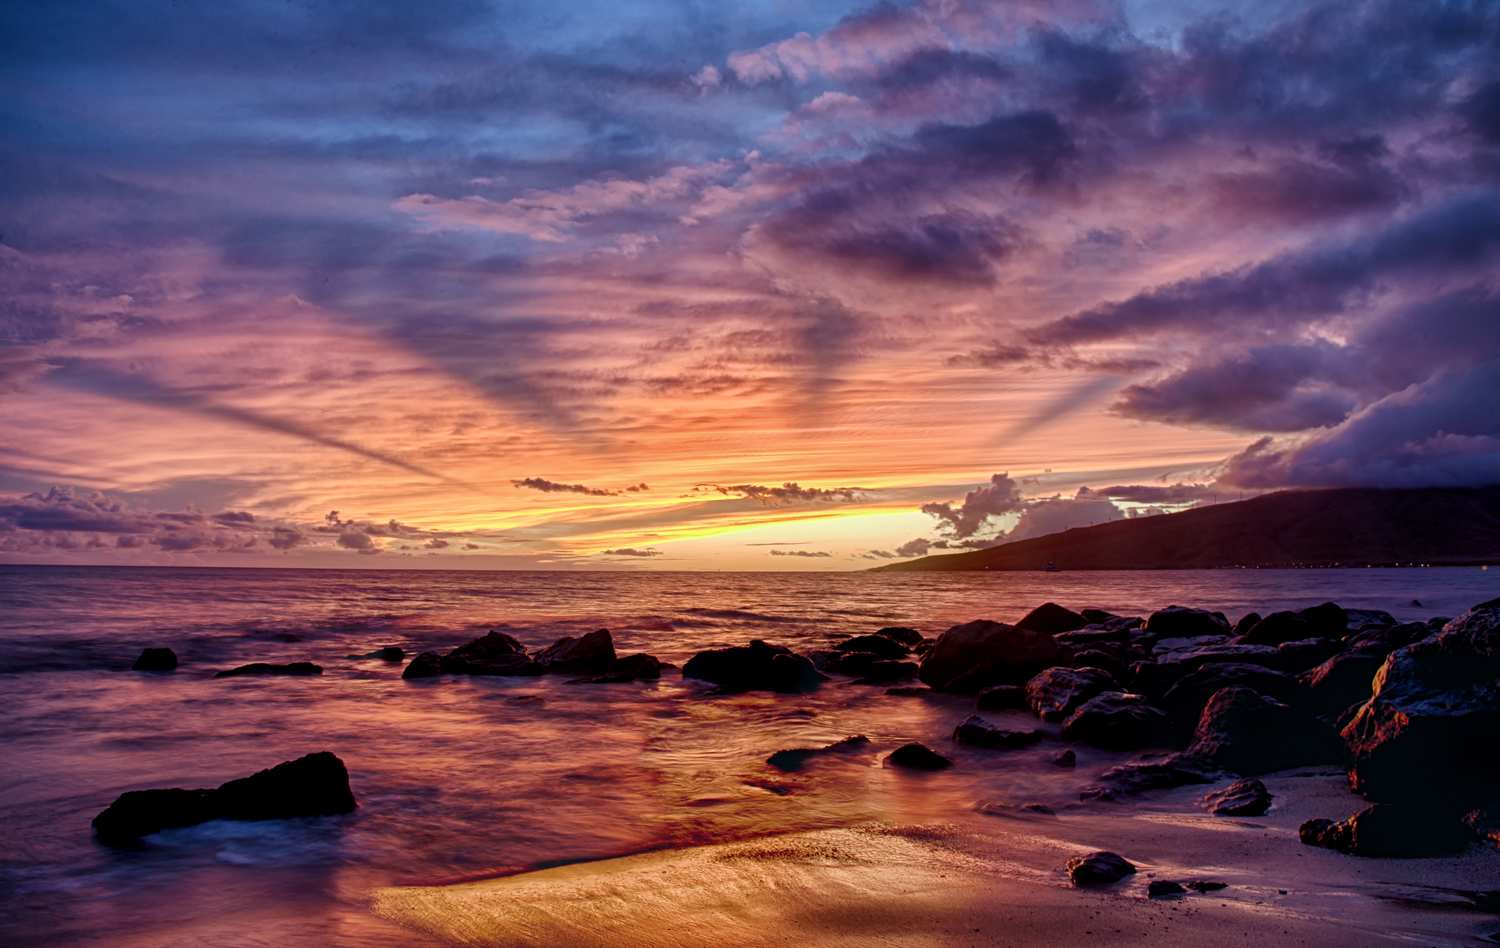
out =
column 637, row 667
column 1485, row 823
column 1303, row 654
column 1116, row 720
column 1186, row 700
column 981, row 654
column 879, row 673
column 315, row 785
column 492, row 654
column 1155, row 680
column 1054, row 693
column 1343, row 680
column 1049, row 619
column 526, row 699
column 1067, row 758
column 155, row 660
column 1389, row 830
column 390, row 653
column 1175, row 622
column 1207, row 886
column 797, row 758
column 487, row 647
column 1246, row 732
column 848, row 663
column 1098, row 869
column 917, row 757
column 593, row 652
column 1153, row 772
column 1029, row 811
column 823, row 657
column 1159, row 887
column 1003, row 698
column 261, row 668
column 1246, row 623
column 425, row 665
column 1241, row 798
column 754, row 667
column 881, row 647
column 1427, row 735
column 1416, row 603
column 978, row 732
column 909, row 637
column 1360, row 619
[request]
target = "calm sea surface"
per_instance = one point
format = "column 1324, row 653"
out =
column 456, row 779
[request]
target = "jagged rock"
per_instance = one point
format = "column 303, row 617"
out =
column 261, row 668
column 917, row 757
column 1175, row 622
column 982, row 653
column 1054, row 693
column 1426, row 736
column 980, row 733
column 879, row 673
column 1027, row 811
column 1186, row 700
column 637, row 667
column 1159, row 887
column 1116, row 720
column 1250, row 734
column 1049, row 619
column 1389, row 830
column 1485, row 823
column 511, row 666
column 797, row 758
column 754, row 667
column 1003, row 698
column 155, row 660
column 1153, row 772
column 425, row 665
column 1100, row 868
column 908, row 637
column 1068, row 758
column 594, row 652
column 1246, row 623
column 315, row 785
column 1241, row 798
column 882, row 648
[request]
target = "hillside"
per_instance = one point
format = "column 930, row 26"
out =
column 1344, row 527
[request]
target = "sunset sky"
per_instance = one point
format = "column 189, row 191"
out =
column 677, row 285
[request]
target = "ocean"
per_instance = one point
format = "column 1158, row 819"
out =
column 456, row 778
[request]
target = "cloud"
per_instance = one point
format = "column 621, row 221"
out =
column 631, row 551
column 553, row 487
column 978, row 508
column 807, row 553
column 790, row 494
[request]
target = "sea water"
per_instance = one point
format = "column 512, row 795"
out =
column 462, row 778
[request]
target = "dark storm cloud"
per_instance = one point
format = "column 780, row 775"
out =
column 553, row 487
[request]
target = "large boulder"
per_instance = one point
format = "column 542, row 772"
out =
column 1248, row 797
column 1054, row 693
column 1390, row 831
column 593, row 652
column 882, row 648
column 155, row 660
column 1154, row 679
column 1325, row 621
column 754, row 667
column 1345, row 679
column 1050, row 619
column 1186, row 700
column 1303, row 654
column 981, row 654
column 1361, row 619
column 315, row 785
column 1117, row 721
column 494, row 653
column 1246, row 732
column 1176, row 622
column 1427, row 735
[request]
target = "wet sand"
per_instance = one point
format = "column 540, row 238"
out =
column 980, row 880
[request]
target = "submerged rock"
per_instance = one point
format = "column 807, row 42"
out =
column 980, row 654
column 1026, row 811
column 1241, row 798
column 261, row 668
column 1389, row 830
column 1101, row 868
column 1117, row 721
column 754, row 667
column 314, row 785
column 1246, row 732
column 594, row 652
column 796, row 758
column 978, row 732
column 637, row 667
column 1054, row 693
column 878, row 645
column 155, row 660
column 917, row 757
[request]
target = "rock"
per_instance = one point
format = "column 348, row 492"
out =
column 1003, row 698
column 1436, row 623
column 1155, row 680
column 1104, row 661
column 880, row 673
column 155, row 660
column 917, row 757
column 1067, row 758
column 315, row 785
column 1280, row 627
column 594, row 652
column 1485, row 823
column 1250, row 734
column 1098, row 869
column 1159, row 887
column 1241, row 798
column 982, row 653
column 1391, row 831
column 1368, row 618
column 797, row 758
column 390, row 653
column 978, row 732
column 1054, row 693
column 754, row 667
column 261, row 668
column 1262, row 655
column 1029, row 811
column 492, row 654
column 1345, row 679
column 488, row 646
column 1427, row 734
column 637, row 667
column 908, row 637
column 1186, row 700
column 911, row 692
column 1116, row 720
column 1176, row 622
column 848, row 663
column 1097, row 615
column 1386, row 640
column 1049, row 619
column 536, row 700
column 512, row 666
column 1090, row 634
column 1172, row 649
column 1201, row 887
column 1246, row 623
column 1416, row 603
column 1303, row 654
column 425, row 665
column 1152, row 772
column 881, row 647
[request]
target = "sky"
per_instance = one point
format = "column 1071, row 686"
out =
column 681, row 285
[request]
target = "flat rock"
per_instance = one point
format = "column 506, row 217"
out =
column 1055, row 692
column 1246, row 732
column 980, row 654
column 977, row 732
column 917, row 757
column 796, row 758
column 1241, row 798
column 1116, row 720
column 1101, row 868
column 1026, row 811
column 1264, row 655
column 1153, row 772
column 155, row 660
column 261, row 668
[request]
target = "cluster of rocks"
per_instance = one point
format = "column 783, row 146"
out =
column 499, row 654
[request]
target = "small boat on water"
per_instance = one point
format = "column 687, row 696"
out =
column 1052, row 566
